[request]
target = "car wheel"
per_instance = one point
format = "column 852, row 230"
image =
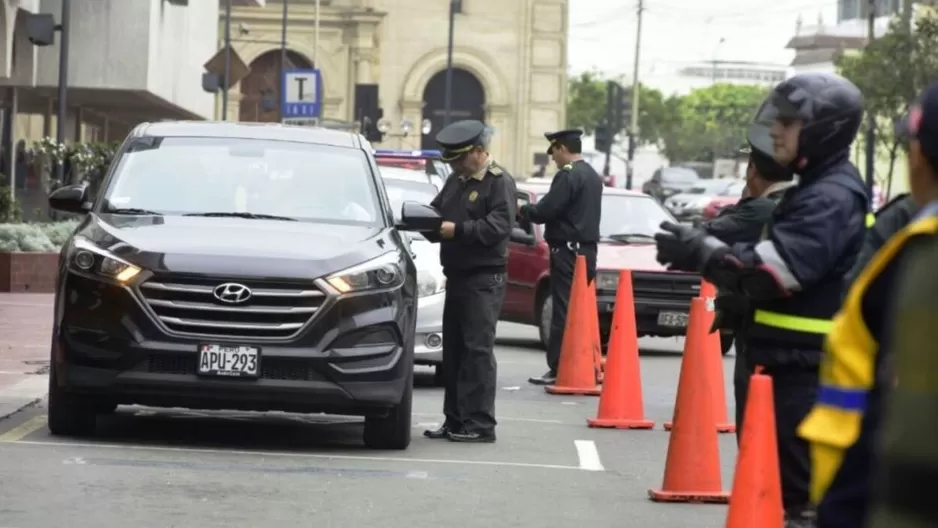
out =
column 545, row 310
column 438, row 379
column 392, row 431
column 726, row 343
column 69, row 414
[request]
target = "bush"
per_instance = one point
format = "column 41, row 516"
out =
column 9, row 208
column 35, row 238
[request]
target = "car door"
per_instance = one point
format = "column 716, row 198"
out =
column 524, row 270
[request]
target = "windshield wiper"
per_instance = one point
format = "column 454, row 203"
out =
column 133, row 211
column 252, row 216
column 625, row 237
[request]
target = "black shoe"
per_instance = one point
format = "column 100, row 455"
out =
column 549, row 378
column 473, row 437
column 438, row 434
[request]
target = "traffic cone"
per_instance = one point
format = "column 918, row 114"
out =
column 593, row 318
column 620, row 404
column 713, row 362
column 692, row 469
column 757, row 485
column 576, row 374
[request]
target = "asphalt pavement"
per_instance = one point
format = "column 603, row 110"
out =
column 180, row 468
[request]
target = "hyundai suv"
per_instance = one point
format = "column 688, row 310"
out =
column 242, row 267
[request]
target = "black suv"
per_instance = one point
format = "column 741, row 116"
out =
column 237, row 266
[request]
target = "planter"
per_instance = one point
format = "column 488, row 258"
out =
column 28, row 272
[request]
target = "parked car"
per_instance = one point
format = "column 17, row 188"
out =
column 403, row 185
column 426, row 161
column 668, row 181
column 629, row 221
column 689, row 205
column 215, row 270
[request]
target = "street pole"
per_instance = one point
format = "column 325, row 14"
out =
column 316, row 37
column 633, row 126
column 907, row 9
column 448, row 97
column 227, row 74
column 62, row 115
column 283, row 58
column 870, row 119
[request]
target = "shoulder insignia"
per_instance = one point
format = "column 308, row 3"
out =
column 567, row 167
column 495, row 170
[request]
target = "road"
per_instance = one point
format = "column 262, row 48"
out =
column 177, row 468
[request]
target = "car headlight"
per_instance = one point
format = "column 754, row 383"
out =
column 87, row 257
column 383, row 273
column 430, row 283
column 607, row 280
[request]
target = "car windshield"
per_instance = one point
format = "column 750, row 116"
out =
column 675, row 175
column 245, row 177
column 628, row 215
column 400, row 191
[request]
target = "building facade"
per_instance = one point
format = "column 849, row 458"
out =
column 509, row 64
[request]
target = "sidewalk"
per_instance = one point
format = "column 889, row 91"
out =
column 25, row 329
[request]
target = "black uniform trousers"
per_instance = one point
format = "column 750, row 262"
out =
column 563, row 259
column 742, row 371
column 470, row 313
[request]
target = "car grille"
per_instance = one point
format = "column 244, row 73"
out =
column 273, row 311
column 272, row 368
column 665, row 286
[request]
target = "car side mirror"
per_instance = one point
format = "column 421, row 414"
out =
column 520, row 236
column 71, row 199
column 416, row 216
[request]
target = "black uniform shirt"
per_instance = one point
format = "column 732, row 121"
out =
column 483, row 208
column 572, row 207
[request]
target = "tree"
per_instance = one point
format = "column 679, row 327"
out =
column 709, row 123
column 890, row 72
column 586, row 105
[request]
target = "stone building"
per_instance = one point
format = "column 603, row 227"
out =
column 509, row 58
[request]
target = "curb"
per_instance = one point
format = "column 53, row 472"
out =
column 24, row 394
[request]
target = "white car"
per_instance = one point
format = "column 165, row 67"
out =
column 406, row 185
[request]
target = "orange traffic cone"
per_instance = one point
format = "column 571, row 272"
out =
column 593, row 318
column 620, row 404
column 713, row 362
column 757, row 485
column 576, row 374
column 692, row 469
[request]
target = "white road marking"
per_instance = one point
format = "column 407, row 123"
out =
column 33, row 387
column 589, row 456
column 490, row 463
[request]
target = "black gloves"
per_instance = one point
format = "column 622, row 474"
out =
column 680, row 247
column 729, row 312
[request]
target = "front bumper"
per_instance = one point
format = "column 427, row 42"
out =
column 353, row 356
column 428, row 342
column 647, row 316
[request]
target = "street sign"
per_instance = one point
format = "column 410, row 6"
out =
column 302, row 97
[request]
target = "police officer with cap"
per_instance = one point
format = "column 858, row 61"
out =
column 477, row 204
column 570, row 212
column 793, row 277
column 888, row 220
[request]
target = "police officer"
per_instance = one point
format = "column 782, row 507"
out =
column 570, row 210
column 766, row 182
column 889, row 220
column 478, row 208
column 793, row 277
column 857, row 373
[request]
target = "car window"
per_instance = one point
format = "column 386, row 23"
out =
column 630, row 214
column 185, row 175
column 679, row 176
column 710, row 187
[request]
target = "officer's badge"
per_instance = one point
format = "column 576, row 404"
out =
column 473, row 195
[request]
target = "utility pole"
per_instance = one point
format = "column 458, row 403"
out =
column 224, row 93
column 870, row 120
column 62, row 115
column 283, row 59
column 633, row 126
column 907, row 10
column 448, row 97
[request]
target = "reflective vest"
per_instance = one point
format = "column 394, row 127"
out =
column 803, row 319
column 848, row 370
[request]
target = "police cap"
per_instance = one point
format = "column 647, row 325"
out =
column 557, row 138
column 921, row 124
column 457, row 139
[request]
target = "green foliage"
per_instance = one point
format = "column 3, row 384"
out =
column 88, row 161
column 586, row 105
column 35, row 238
column 9, row 208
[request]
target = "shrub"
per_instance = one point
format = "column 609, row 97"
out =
column 35, row 238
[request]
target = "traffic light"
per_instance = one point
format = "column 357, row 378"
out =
column 603, row 138
column 622, row 112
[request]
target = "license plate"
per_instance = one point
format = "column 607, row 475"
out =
column 229, row 361
column 672, row 319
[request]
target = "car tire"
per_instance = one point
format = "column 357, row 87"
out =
column 392, row 431
column 545, row 312
column 438, row 379
column 726, row 343
column 69, row 414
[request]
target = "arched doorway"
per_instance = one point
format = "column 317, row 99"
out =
column 468, row 101
column 260, row 90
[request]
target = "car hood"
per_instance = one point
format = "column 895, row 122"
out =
column 634, row 256
column 236, row 246
column 691, row 198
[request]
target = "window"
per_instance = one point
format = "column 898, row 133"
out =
column 848, row 10
column 679, row 174
column 186, row 175
column 631, row 214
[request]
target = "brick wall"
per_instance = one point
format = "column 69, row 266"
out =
column 28, row 272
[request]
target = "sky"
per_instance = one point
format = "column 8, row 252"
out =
column 677, row 33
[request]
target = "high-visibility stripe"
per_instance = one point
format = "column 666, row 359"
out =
column 870, row 219
column 841, row 398
column 794, row 323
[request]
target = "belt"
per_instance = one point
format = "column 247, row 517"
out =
column 572, row 246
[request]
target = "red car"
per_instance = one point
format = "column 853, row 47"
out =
column 629, row 221
column 718, row 204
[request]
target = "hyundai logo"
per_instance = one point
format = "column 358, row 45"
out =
column 232, row 293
